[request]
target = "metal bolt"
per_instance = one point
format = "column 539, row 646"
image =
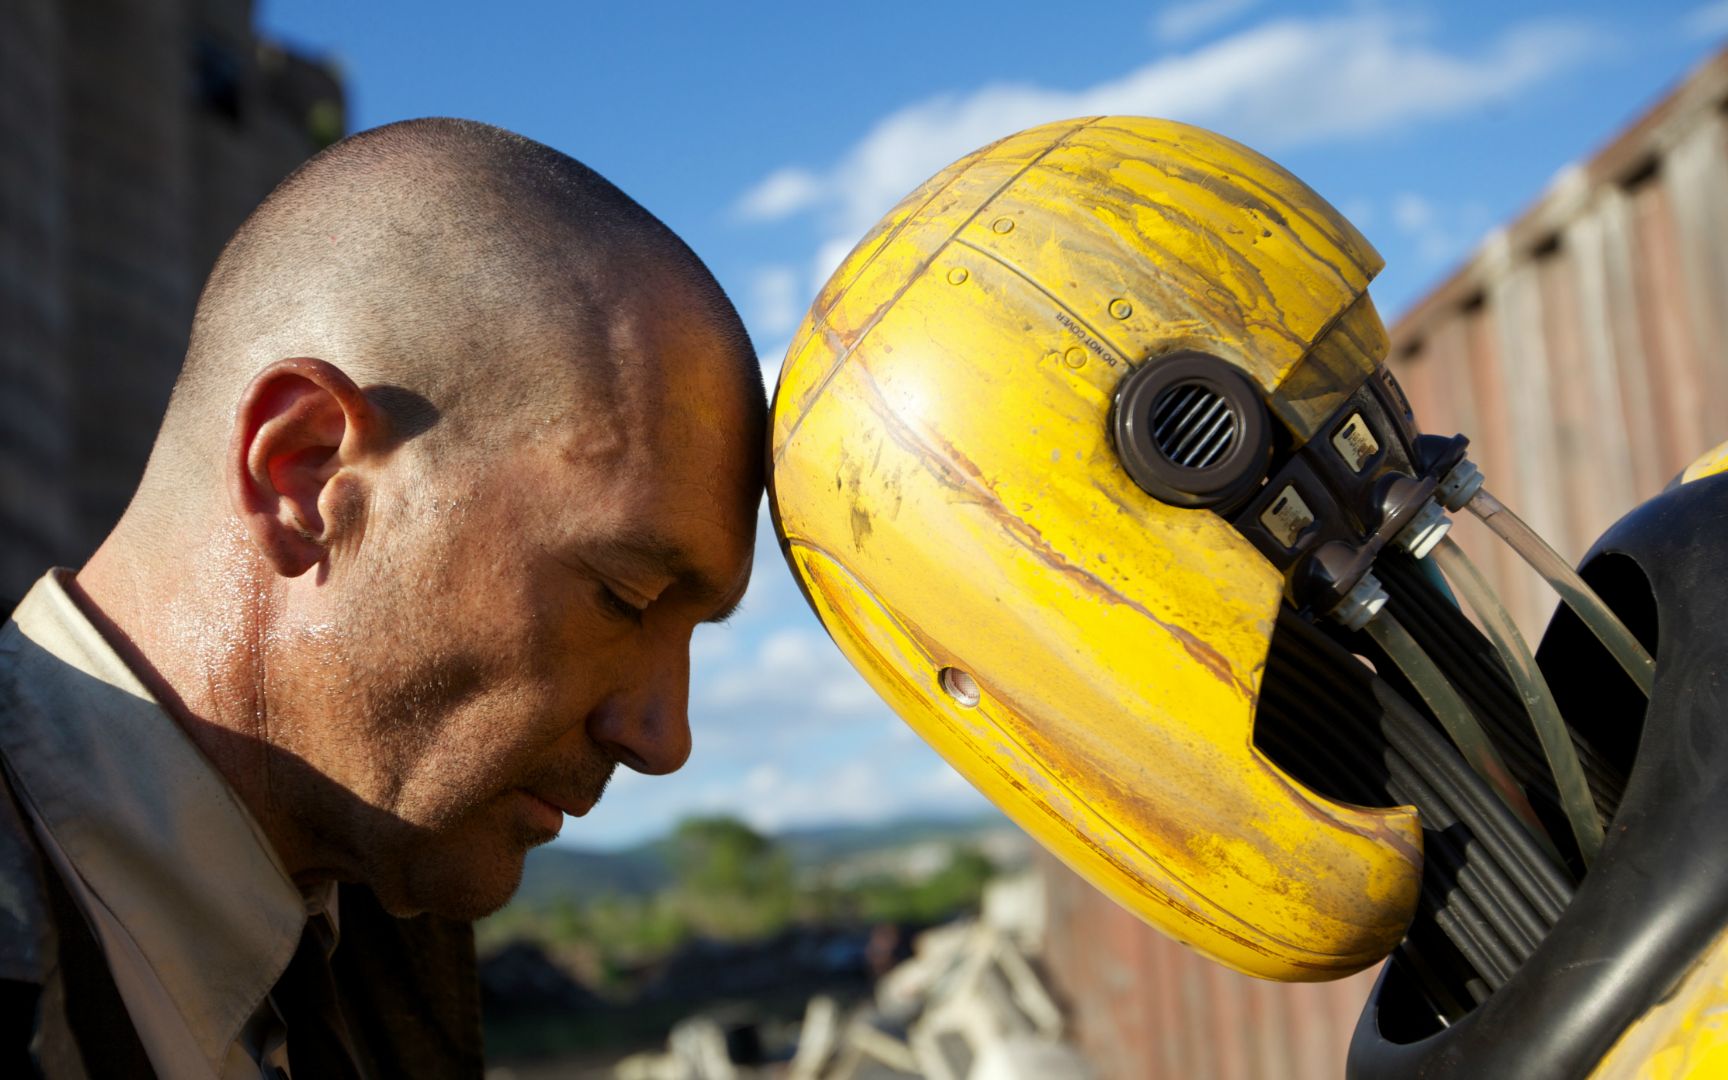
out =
column 1460, row 485
column 1003, row 225
column 1361, row 603
column 957, row 276
column 1121, row 309
column 1426, row 529
column 960, row 686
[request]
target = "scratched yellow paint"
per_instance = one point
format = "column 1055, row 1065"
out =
column 1683, row 1037
column 1709, row 464
column 945, row 488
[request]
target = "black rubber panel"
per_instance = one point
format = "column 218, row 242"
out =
column 1658, row 894
column 1192, row 430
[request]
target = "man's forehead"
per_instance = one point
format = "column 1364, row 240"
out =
column 667, row 446
column 654, row 400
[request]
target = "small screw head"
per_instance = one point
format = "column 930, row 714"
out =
column 1120, row 308
column 960, row 686
column 958, row 276
column 1003, row 225
column 1075, row 357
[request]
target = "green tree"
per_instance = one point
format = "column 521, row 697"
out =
column 955, row 888
column 732, row 880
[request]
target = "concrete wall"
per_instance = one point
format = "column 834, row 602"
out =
column 137, row 135
column 35, row 443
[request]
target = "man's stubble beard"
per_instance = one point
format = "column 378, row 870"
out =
column 473, row 867
column 415, row 810
column 350, row 732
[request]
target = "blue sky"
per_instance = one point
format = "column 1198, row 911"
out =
column 771, row 135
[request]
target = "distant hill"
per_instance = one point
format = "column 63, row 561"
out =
column 558, row 872
column 826, row 844
column 555, row 872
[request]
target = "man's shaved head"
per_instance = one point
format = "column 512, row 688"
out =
column 466, row 445
column 428, row 254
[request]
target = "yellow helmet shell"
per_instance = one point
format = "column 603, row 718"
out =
column 946, row 490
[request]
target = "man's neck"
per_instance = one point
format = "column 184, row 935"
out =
column 196, row 647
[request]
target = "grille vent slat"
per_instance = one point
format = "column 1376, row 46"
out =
column 1173, row 407
column 1217, row 440
column 1193, row 426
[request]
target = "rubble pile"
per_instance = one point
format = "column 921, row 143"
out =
column 969, row 1004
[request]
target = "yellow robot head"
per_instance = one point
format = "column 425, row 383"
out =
column 1020, row 466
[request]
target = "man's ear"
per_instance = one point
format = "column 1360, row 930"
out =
column 301, row 426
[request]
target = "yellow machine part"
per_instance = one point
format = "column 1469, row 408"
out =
column 1685, row 1036
column 946, row 492
column 1709, row 464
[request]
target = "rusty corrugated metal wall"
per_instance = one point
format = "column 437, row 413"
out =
column 1146, row 1008
column 1582, row 347
column 1582, row 350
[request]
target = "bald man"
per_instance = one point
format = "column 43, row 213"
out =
column 465, row 445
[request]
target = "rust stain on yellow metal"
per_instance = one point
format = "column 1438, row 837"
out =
column 1685, row 1036
column 946, row 492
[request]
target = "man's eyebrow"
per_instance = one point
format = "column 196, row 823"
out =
column 656, row 555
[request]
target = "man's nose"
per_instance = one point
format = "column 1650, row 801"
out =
column 647, row 724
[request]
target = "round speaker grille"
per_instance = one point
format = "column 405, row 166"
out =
column 1192, row 430
column 1193, row 425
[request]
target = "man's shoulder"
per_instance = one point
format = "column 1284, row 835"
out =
column 35, row 1028
column 23, row 918
column 26, row 922
column 23, row 969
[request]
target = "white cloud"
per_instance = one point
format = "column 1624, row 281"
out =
column 1178, row 23
column 762, row 780
column 865, row 790
column 774, row 667
column 773, row 788
column 1708, row 21
column 773, row 598
column 780, row 195
column 942, row 783
column 793, row 669
column 1438, row 234
column 775, row 300
column 1277, row 85
column 1412, row 213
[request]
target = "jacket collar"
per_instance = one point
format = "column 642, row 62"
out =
column 151, row 828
